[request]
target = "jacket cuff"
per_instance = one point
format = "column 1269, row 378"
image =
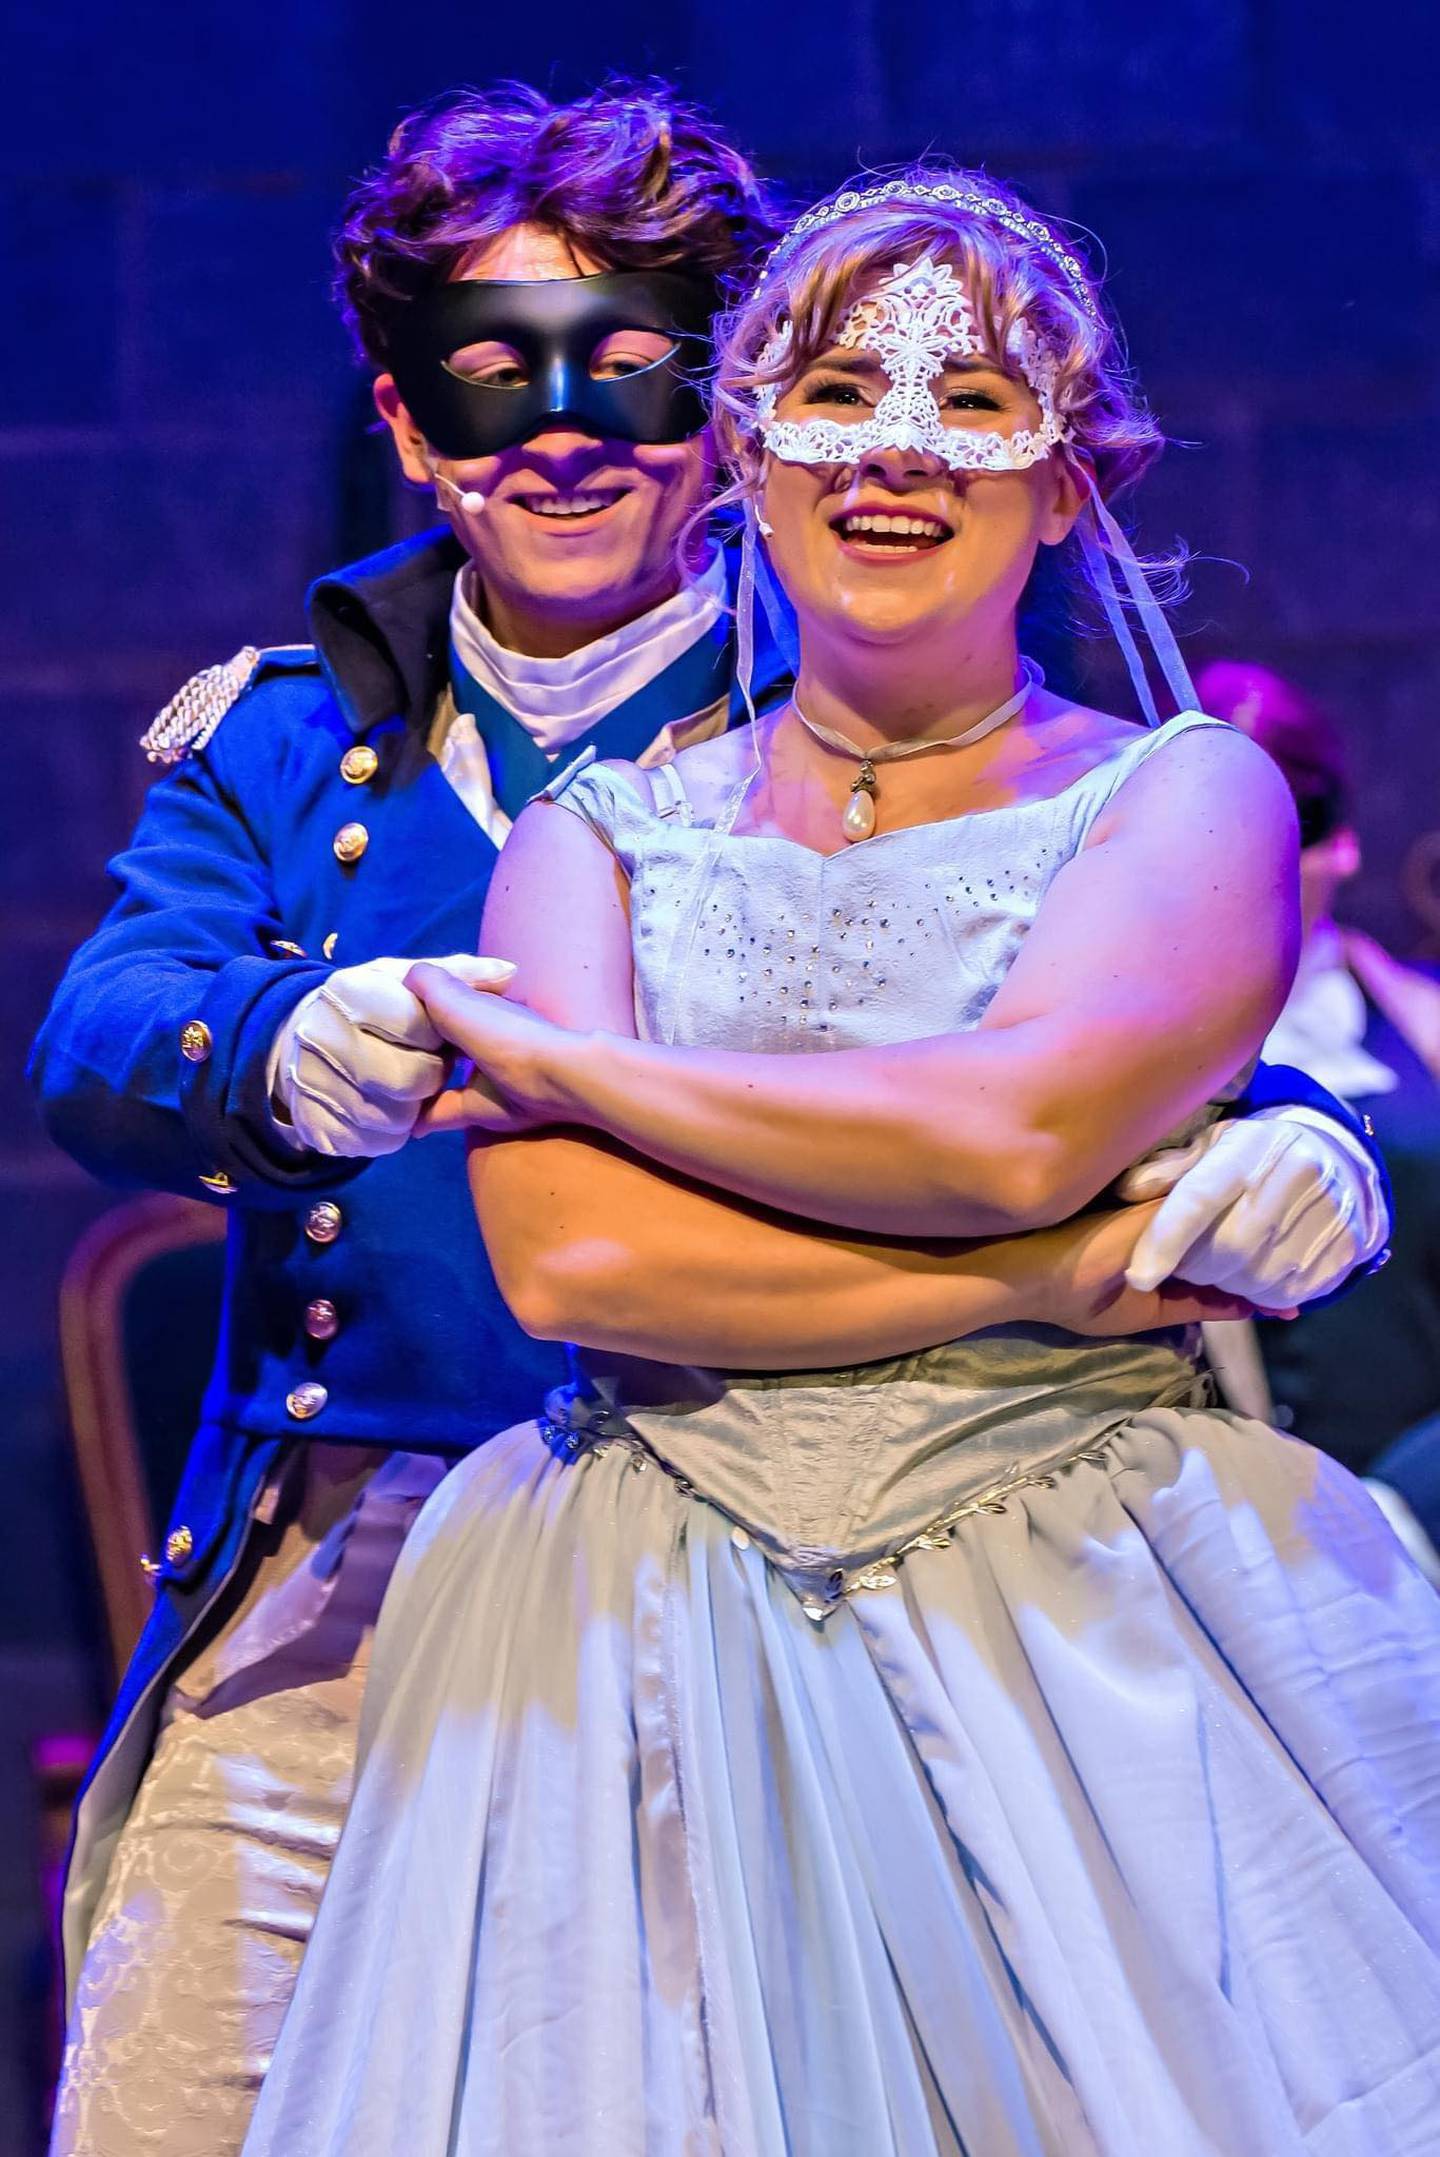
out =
column 223, row 1051
column 1281, row 1086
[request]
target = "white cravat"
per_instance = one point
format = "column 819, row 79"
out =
column 557, row 700
column 1322, row 1028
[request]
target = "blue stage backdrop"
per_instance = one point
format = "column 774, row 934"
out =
column 182, row 444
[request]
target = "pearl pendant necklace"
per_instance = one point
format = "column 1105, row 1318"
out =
column 858, row 821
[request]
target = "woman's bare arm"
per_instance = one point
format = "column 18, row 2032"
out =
column 596, row 1246
column 592, row 1244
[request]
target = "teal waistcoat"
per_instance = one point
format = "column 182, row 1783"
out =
column 698, row 679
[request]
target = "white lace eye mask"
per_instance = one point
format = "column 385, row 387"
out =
column 917, row 324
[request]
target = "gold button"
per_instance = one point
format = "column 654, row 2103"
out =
column 284, row 949
column 324, row 1221
column 179, row 1545
column 222, row 1185
column 196, row 1042
column 306, row 1400
column 328, row 947
column 148, row 1566
column 322, row 1320
column 350, row 842
column 359, row 764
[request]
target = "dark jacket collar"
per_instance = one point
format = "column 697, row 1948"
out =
column 382, row 629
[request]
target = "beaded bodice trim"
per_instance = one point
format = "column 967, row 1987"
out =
column 574, row 1426
column 753, row 941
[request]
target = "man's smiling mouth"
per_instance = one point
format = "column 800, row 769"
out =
column 570, row 508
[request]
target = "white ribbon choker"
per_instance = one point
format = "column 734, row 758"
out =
column 858, row 822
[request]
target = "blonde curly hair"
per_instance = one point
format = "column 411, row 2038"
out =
column 1012, row 267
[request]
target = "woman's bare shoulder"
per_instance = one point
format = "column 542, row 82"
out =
column 633, row 776
column 1206, row 787
column 1076, row 738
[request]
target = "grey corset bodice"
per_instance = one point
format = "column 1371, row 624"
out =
column 834, row 1472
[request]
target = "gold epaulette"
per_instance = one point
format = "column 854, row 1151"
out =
column 193, row 713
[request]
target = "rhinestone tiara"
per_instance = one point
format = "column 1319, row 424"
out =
column 921, row 192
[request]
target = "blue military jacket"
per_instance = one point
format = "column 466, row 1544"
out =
column 263, row 856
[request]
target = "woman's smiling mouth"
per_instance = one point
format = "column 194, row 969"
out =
column 870, row 533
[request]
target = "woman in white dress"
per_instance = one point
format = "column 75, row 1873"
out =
column 807, row 1738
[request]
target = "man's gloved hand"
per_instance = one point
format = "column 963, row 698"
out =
column 1278, row 1208
column 358, row 1058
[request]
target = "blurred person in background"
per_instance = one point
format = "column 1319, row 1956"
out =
column 1359, row 1377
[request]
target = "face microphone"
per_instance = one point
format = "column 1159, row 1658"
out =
column 469, row 500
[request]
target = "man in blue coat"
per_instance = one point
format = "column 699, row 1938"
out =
column 533, row 285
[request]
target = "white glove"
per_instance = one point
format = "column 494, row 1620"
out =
column 357, row 1059
column 1278, row 1207
column 1408, row 1531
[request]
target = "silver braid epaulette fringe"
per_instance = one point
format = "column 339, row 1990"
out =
column 193, row 713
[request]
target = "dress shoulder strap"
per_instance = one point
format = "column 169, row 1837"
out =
column 671, row 799
column 610, row 804
column 564, row 780
column 1098, row 787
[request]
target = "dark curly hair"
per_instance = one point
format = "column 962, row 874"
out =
column 630, row 173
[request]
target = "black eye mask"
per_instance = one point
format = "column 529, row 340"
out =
column 556, row 325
